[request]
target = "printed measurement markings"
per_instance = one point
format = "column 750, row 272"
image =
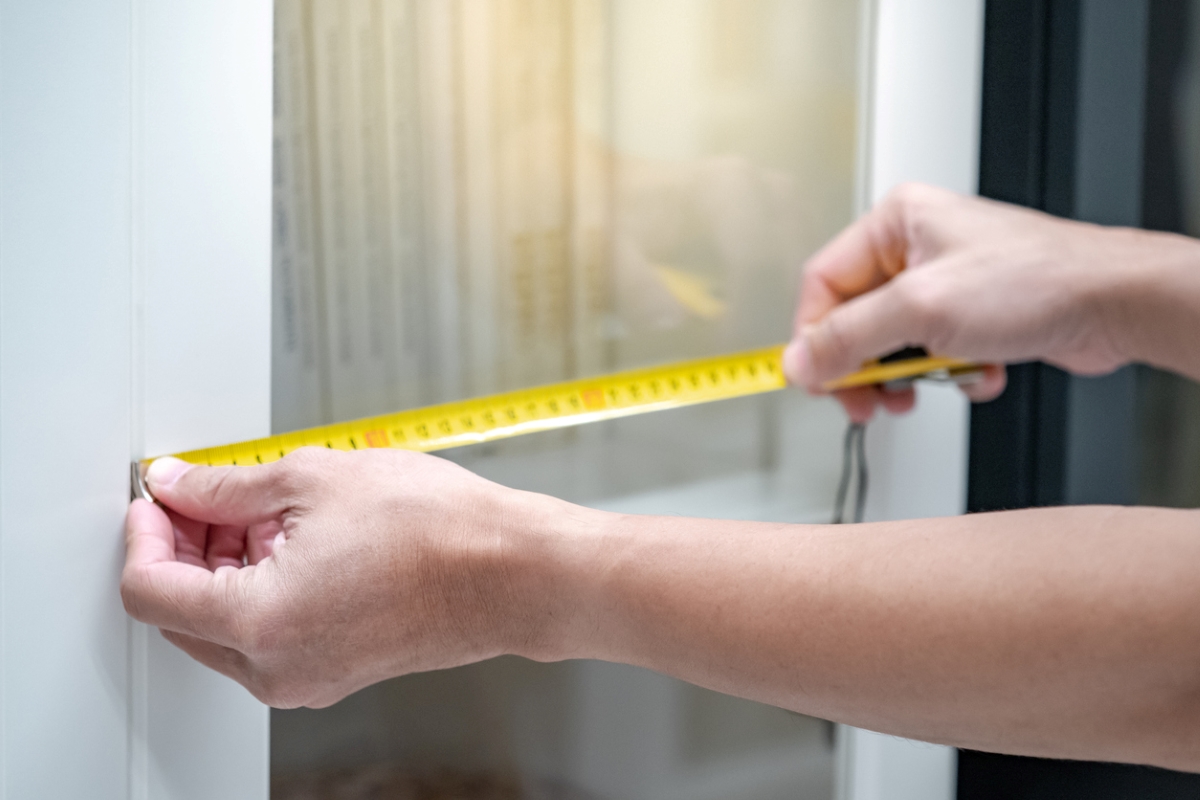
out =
column 528, row 411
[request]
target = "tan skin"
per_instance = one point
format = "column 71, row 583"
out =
column 1069, row 632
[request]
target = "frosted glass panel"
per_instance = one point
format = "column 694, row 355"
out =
column 481, row 195
column 477, row 196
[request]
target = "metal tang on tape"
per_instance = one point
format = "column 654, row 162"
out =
column 137, row 482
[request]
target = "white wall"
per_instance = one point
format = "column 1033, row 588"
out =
column 201, row 252
column 134, row 318
column 64, row 395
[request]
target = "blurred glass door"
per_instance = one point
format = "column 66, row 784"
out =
column 481, row 195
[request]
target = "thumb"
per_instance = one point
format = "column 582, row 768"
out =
column 852, row 333
column 220, row 495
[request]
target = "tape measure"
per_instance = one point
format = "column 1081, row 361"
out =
column 558, row 405
column 901, row 369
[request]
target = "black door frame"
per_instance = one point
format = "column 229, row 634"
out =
column 1066, row 100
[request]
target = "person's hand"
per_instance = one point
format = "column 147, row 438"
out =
column 312, row 577
column 962, row 277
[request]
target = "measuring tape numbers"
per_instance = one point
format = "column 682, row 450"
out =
column 563, row 405
column 511, row 414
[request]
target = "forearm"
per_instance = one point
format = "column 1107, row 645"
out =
column 1153, row 306
column 1066, row 632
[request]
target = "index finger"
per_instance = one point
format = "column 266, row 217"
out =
column 866, row 255
column 166, row 593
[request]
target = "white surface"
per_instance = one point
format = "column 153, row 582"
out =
column 919, row 461
column 64, row 396
column 134, row 141
column 637, row 719
column 927, row 77
column 202, row 246
column 879, row 767
column 926, row 81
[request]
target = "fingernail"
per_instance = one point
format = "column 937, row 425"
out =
column 164, row 472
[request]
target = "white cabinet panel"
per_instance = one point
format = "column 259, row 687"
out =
column 202, row 249
column 134, row 318
column 204, row 199
column 64, row 396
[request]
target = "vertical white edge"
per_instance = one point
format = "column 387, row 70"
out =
column 138, row 766
column 873, row 766
column 202, row 78
column 4, row 117
column 864, row 146
column 924, row 95
column 4, row 684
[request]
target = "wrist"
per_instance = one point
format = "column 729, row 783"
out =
column 1152, row 303
column 551, row 554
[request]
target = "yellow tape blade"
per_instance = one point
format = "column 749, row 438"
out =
column 528, row 411
column 901, row 370
column 559, row 405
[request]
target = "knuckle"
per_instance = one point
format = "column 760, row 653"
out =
column 221, row 484
column 307, row 458
column 298, row 469
column 260, row 629
column 917, row 208
column 264, row 688
column 913, row 195
column 272, row 689
column 830, row 343
column 233, row 616
column 131, row 596
column 925, row 301
column 811, row 280
column 907, row 195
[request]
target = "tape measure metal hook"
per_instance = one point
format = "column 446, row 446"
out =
column 137, row 482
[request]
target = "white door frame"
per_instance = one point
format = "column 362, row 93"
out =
column 925, row 77
column 64, row 396
column 135, row 189
column 202, row 76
